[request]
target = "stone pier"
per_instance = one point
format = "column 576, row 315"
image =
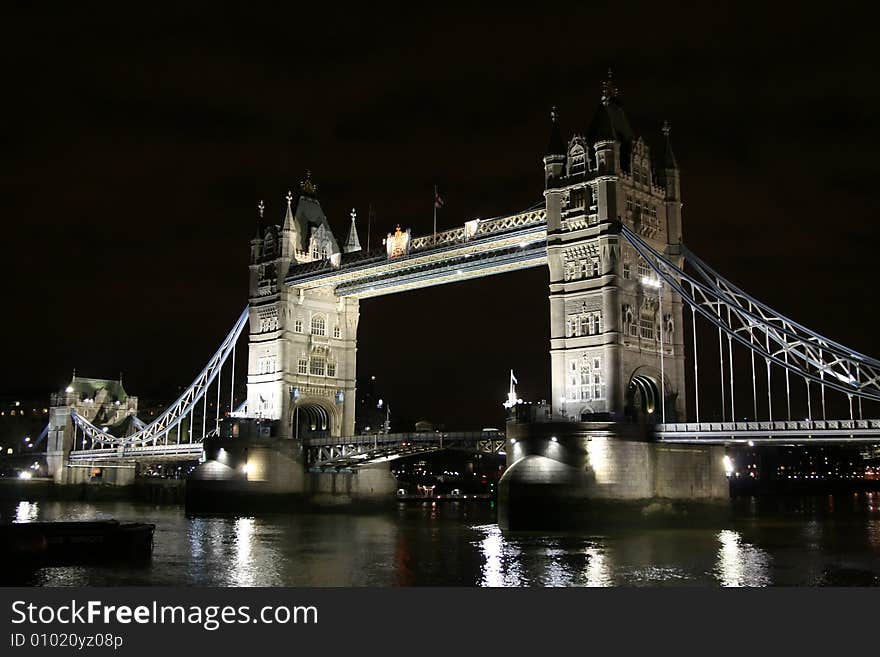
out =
column 574, row 474
column 249, row 473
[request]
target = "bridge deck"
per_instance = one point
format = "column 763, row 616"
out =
column 780, row 432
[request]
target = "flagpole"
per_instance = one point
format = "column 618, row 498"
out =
column 435, row 210
column 369, row 221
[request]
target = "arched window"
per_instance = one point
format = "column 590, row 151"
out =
column 319, row 325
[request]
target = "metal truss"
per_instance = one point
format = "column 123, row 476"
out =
column 171, row 417
column 183, row 451
column 762, row 330
column 355, row 451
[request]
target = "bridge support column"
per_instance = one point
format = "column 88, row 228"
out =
column 580, row 474
column 59, row 442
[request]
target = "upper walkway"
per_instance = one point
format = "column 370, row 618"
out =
column 479, row 248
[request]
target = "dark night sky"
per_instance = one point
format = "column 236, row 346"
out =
column 135, row 147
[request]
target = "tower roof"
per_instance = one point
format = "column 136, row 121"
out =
column 89, row 387
column 309, row 216
column 610, row 122
column 352, row 243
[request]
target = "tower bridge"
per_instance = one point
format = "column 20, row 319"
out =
column 609, row 230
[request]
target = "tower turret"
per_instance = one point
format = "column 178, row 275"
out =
column 670, row 178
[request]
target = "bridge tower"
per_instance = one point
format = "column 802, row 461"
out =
column 606, row 309
column 302, row 343
column 104, row 403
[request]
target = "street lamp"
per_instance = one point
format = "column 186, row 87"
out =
column 657, row 284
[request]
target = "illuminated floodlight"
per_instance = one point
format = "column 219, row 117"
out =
column 24, row 474
column 728, row 465
column 651, row 282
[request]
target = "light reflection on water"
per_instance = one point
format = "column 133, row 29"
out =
column 741, row 564
column 460, row 545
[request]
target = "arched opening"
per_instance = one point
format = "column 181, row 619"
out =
column 643, row 399
column 311, row 420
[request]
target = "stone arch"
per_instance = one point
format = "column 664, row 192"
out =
column 643, row 396
column 314, row 417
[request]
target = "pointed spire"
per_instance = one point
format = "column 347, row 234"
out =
column 609, row 89
column 288, row 216
column 669, row 161
column 352, row 244
column 556, row 146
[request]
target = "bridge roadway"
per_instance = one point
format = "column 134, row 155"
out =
column 353, row 451
column 800, row 432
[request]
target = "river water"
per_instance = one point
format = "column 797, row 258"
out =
column 791, row 541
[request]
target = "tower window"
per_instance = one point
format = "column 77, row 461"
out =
column 646, row 326
column 303, row 366
column 331, row 369
column 626, row 271
column 298, row 325
column 319, row 325
column 337, row 332
column 317, row 366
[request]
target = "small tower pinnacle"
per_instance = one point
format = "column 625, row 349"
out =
column 288, row 216
column 352, row 244
column 261, row 207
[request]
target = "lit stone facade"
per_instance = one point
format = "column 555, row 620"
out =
column 302, row 342
column 605, row 309
column 103, row 402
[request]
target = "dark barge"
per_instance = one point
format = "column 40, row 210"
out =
column 75, row 543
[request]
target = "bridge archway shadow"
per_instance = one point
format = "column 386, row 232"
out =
column 313, row 419
column 643, row 398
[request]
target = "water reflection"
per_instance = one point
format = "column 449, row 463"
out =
column 501, row 560
column 534, row 560
column 741, row 564
column 800, row 542
column 244, row 574
column 27, row 511
column 598, row 571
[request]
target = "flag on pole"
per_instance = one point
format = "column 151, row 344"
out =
column 513, row 378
